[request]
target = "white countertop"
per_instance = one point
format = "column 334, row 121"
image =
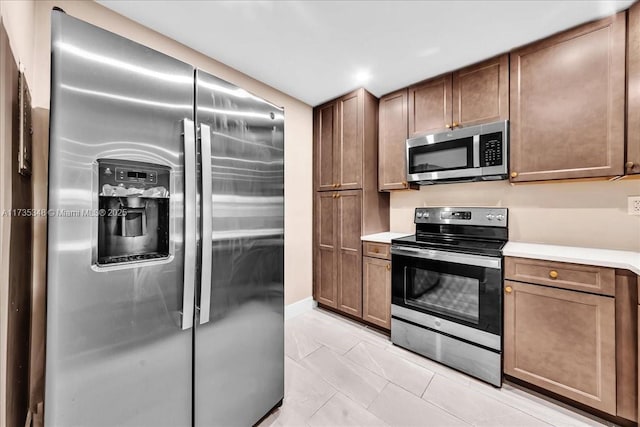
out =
column 384, row 237
column 626, row 260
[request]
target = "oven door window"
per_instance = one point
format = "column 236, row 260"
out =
column 442, row 293
column 465, row 294
column 442, row 156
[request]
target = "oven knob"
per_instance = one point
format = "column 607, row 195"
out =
column 500, row 217
column 419, row 214
column 490, row 217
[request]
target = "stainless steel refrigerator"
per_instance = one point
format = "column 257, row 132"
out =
column 165, row 265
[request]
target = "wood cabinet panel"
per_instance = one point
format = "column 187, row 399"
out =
column 325, row 136
column 632, row 164
column 350, row 141
column 587, row 278
column 393, row 132
column 563, row 341
column 376, row 284
column 350, row 252
column 481, row 92
column 567, row 104
column 627, row 344
column 325, row 251
column 430, row 106
column 377, row 250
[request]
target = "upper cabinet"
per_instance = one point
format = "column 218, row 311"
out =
column 568, row 104
column 481, row 93
column 430, row 106
column 392, row 136
column 473, row 95
column 632, row 164
column 339, row 140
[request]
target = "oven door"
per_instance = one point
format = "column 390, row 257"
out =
column 460, row 289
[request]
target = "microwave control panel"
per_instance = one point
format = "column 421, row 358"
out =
column 491, row 149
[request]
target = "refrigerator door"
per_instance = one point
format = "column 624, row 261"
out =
column 119, row 340
column 239, row 335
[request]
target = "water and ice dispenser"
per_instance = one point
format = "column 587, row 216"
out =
column 134, row 206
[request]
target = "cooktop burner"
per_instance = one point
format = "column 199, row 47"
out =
column 467, row 230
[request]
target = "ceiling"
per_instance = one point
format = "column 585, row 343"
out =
column 318, row 50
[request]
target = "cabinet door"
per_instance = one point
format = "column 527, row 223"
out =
column 376, row 286
column 350, row 252
column 430, row 106
column 481, row 92
column 325, row 253
column 562, row 341
column 325, row 134
column 567, row 104
column 633, row 96
column 393, row 131
column 348, row 164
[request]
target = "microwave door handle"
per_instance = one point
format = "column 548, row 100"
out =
column 476, row 151
column 207, row 226
column 189, row 240
column 452, row 257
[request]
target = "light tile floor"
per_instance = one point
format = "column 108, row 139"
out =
column 341, row 373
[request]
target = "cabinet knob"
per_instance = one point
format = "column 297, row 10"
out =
column 629, row 165
column 375, row 250
column 338, row 185
column 405, row 184
column 508, row 289
column 455, row 125
column 388, row 267
column 448, row 126
column 337, row 196
column 553, row 274
column 514, row 174
column 334, row 195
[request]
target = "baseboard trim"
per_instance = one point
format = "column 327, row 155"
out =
column 299, row 307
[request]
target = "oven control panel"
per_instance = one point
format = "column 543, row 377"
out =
column 493, row 217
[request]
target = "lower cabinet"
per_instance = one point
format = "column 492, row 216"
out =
column 562, row 341
column 376, row 284
column 338, row 251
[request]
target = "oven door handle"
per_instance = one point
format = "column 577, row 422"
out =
column 453, row 257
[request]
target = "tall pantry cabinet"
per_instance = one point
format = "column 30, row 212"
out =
column 347, row 204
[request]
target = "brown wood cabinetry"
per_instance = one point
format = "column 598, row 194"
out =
column 473, row 95
column 481, row 92
column 571, row 329
column 345, row 162
column 338, row 250
column 392, row 136
column 567, row 100
column 340, row 128
column 430, row 106
column 632, row 165
column 562, row 341
column 376, row 277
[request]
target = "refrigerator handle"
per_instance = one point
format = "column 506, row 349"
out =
column 189, row 223
column 207, row 226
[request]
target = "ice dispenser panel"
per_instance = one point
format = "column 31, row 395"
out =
column 134, row 211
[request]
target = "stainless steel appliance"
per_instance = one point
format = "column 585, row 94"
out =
column 165, row 257
column 446, row 285
column 475, row 153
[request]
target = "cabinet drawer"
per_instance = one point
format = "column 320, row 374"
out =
column 376, row 250
column 587, row 278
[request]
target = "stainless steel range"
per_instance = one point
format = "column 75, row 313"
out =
column 447, row 289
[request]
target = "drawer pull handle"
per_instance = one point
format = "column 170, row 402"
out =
column 553, row 274
column 375, row 250
column 388, row 267
column 508, row 289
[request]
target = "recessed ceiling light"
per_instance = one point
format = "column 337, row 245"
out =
column 363, row 76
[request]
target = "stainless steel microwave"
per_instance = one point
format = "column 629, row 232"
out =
column 474, row 153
